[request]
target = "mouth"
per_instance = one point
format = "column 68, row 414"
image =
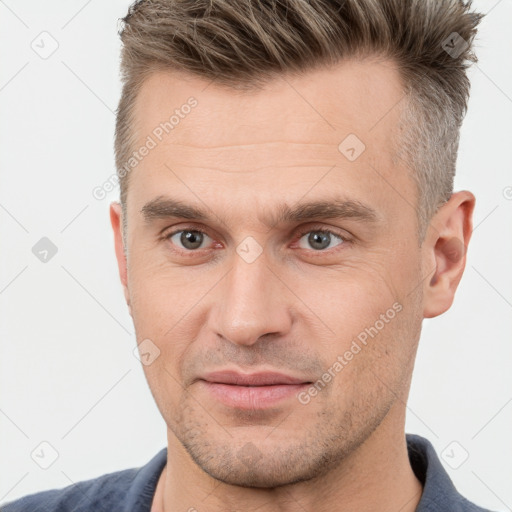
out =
column 252, row 391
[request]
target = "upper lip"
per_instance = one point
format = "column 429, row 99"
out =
column 252, row 379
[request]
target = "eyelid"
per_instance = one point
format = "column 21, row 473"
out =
column 320, row 227
column 165, row 232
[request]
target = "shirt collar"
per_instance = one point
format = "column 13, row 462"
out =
column 439, row 493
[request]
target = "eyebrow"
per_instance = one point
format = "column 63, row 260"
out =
column 162, row 208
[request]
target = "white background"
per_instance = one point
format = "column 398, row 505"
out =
column 68, row 374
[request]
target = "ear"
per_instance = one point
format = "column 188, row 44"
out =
column 444, row 252
column 116, row 219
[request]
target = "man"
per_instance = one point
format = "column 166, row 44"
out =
column 287, row 219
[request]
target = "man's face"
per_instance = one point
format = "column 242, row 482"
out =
column 249, row 290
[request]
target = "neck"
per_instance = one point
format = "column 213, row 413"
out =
column 376, row 476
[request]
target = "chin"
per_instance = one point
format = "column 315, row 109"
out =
column 263, row 475
column 261, row 465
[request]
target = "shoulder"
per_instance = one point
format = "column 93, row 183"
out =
column 129, row 489
column 83, row 495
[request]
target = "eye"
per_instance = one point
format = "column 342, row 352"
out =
column 320, row 239
column 190, row 239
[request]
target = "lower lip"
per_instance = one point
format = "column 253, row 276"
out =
column 252, row 397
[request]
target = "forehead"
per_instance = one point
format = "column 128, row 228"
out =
column 285, row 137
column 351, row 96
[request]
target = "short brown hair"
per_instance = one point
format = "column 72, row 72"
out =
column 245, row 43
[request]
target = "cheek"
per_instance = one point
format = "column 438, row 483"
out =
column 161, row 293
column 170, row 306
column 350, row 297
column 372, row 357
column 367, row 318
column 164, row 385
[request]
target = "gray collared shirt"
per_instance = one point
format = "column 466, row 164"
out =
column 132, row 490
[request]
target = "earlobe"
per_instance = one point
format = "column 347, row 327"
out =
column 445, row 250
column 116, row 219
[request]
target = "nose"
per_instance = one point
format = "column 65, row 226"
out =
column 251, row 302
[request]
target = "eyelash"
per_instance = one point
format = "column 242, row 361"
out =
column 316, row 229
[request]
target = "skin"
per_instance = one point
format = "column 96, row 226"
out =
column 295, row 308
